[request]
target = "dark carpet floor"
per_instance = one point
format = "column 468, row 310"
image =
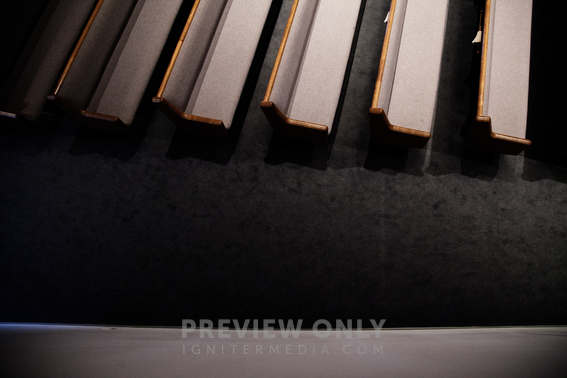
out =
column 155, row 226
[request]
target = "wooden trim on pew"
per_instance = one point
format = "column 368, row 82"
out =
column 97, row 121
column 381, row 129
column 77, row 47
column 283, row 125
column 384, row 55
column 292, row 128
column 480, row 136
column 178, row 48
column 102, row 122
column 281, row 52
column 484, row 59
column 192, row 123
column 188, row 122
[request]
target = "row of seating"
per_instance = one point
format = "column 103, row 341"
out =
column 117, row 44
column 207, row 73
column 500, row 123
column 105, row 79
column 37, row 62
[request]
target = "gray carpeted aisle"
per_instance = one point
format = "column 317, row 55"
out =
column 35, row 350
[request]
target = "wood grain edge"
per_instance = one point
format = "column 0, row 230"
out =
column 78, row 47
column 282, row 124
column 178, row 49
column 484, row 59
column 381, row 130
column 191, row 123
column 384, row 55
column 98, row 121
column 292, row 128
column 481, row 138
column 281, row 51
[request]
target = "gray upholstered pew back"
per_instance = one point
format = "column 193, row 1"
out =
column 311, row 74
column 213, row 63
column 411, row 75
column 116, row 60
column 501, row 116
column 508, row 66
column 84, row 76
column 43, row 58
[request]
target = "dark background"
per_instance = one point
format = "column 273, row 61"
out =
column 154, row 226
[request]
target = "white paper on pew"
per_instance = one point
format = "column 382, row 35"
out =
column 387, row 18
column 478, row 37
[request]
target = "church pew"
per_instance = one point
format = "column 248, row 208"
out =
column 305, row 86
column 502, row 107
column 403, row 105
column 107, row 74
column 30, row 71
column 203, row 85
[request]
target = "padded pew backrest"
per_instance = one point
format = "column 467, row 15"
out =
column 500, row 125
column 25, row 91
column 106, row 78
column 403, row 106
column 203, row 86
column 304, row 90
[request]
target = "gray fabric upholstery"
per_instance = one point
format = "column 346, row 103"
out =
column 392, row 58
column 131, row 66
column 415, row 81
column 323, row 68
column 117, row 58
column 192, row 55
column 290, row 67
column 228, row 61
column 98, row 46
column 508, row 67
column 41, row 63
column 310, row 78
column 214, row 61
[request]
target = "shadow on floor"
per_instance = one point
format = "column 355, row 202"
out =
column 26, row 138
column 480, row 165
column 121, row 146
column 305, row 153
column 394, row 159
